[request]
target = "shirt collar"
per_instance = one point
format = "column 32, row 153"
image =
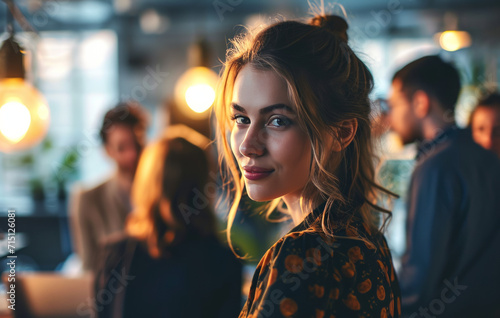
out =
column 428, row 145
column 309, row 219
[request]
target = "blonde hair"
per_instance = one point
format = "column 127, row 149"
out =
column 328, row 84
column 174, row 169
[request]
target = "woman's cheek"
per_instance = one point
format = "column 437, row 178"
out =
column 292, row 149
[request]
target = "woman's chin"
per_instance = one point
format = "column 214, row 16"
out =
column 259, row 195
column 259, row 198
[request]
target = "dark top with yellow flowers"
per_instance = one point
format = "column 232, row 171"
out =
column 306, row 274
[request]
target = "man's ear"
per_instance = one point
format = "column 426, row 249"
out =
column 421, row 104
column 345, row 134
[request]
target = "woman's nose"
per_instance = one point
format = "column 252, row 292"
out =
column 254, row 143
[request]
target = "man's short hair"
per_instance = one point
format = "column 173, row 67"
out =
column 437, row 78
column 129, row 114
column 490, row 100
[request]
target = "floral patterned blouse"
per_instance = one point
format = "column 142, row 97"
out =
column 305, row 274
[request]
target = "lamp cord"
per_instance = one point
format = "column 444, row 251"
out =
column 16, row 14
column 10, row 22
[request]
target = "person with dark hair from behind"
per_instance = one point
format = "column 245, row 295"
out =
column 484, row 123
column 170, row 261
column 101, row 211
column 450, row 267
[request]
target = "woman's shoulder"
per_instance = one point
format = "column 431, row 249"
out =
column 313, row 269
column 116, row 247
column 352, row 243
column 350, row 258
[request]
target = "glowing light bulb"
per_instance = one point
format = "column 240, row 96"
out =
column 24, row 115
column 195, row 92
column 15, row 121
column 200, row 97
column 454, row 40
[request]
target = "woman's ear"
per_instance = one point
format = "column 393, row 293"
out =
column 345, row 134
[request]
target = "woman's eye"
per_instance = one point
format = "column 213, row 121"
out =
column 240, row 120
column 279, row 122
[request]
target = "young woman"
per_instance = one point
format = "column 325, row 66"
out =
column 485, row 123
column 170, row 262
column 294, row 100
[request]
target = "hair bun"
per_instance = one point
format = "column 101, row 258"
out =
column 332, row 23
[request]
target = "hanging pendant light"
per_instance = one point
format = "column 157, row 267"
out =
column 452, row 39
column 24, row 114
column 195, row 89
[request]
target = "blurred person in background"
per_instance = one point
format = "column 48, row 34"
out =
column 450, row 266
column 485, row 123
column 101, row 211
column 293, row 126
column 170, row 260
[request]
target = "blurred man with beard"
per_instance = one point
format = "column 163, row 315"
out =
column 450, row 267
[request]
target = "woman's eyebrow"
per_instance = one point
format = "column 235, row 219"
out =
column 237, row 107
column 266, row 109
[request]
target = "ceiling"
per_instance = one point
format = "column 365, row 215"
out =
column 78, row 14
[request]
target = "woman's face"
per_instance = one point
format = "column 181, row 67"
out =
column 272, row 151
column 486, row 128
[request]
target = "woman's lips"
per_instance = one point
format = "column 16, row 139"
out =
column 256, row 173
